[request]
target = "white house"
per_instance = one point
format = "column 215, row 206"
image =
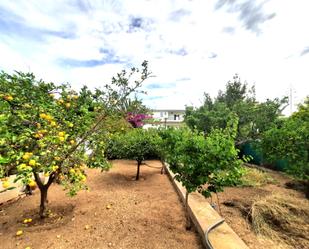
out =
column 168, row 117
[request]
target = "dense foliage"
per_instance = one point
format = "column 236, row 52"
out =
column 262, row 131
column 197, row 159
column 254, row 117
column 56, row 131
column 203, row 163
column 290, row 142
column 136, row 144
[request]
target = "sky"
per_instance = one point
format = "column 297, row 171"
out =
column 192, row 46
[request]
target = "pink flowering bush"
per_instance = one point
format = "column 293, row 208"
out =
column 137, row 120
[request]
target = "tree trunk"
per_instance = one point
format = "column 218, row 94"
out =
column 188, row 220
column 162, row 169
column 43, row 191
column 43, row 203
column 138, row 167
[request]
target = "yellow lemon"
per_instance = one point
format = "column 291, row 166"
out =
column 38, row 135
column 61, row 134
column 72, row 142
column 22, row 166
column 57, row 158
column 53, row 123
column 43, row 115
column 32, row 184
column 25, row 221
column 75, row 97
column 72, row 171
column 67, row 105
column 48, row 117
column 83, row 178
column 70, row 124
column 27, row 155
column 5, row 184
column 61, row 139
column 55, row 168
column 19, row 232
column 38, row 125
column 32, row 162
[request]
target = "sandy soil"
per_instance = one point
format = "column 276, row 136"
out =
column 117, row 212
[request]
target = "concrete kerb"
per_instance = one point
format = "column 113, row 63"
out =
column 18, row 189
column 204, row 216
column 13, row 193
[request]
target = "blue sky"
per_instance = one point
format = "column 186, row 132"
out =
column 193, row 46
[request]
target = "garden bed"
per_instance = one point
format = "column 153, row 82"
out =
column 117, row 212
column 236, row 208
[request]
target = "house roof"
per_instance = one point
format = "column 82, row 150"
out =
column 168, row 110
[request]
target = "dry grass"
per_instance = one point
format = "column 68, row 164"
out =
column 255, row 178
column 283, row 219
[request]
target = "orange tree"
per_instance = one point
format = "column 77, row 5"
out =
column 52, row 132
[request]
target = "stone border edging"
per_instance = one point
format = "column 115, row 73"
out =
column 18, row 190
column 203, row 216
column 13, row 193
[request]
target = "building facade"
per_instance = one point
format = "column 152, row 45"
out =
column 168, row 117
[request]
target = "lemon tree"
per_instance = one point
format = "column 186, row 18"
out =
column 52, row 133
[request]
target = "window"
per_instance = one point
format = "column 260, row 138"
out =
column 176, row 116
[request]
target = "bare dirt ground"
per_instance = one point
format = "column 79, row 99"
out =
column 235, row 205
column 117, row 212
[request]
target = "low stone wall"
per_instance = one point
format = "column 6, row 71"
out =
column 18, row 188
column 204, row 216
column 12, row 193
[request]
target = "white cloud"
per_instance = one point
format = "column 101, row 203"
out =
column 180, row 39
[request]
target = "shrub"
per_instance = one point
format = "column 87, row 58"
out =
column 205, row 164
column 136, row 144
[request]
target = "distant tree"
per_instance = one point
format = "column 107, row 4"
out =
column 136, row 144
column 235, row 92
column 254, row 117
column 134, row 106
